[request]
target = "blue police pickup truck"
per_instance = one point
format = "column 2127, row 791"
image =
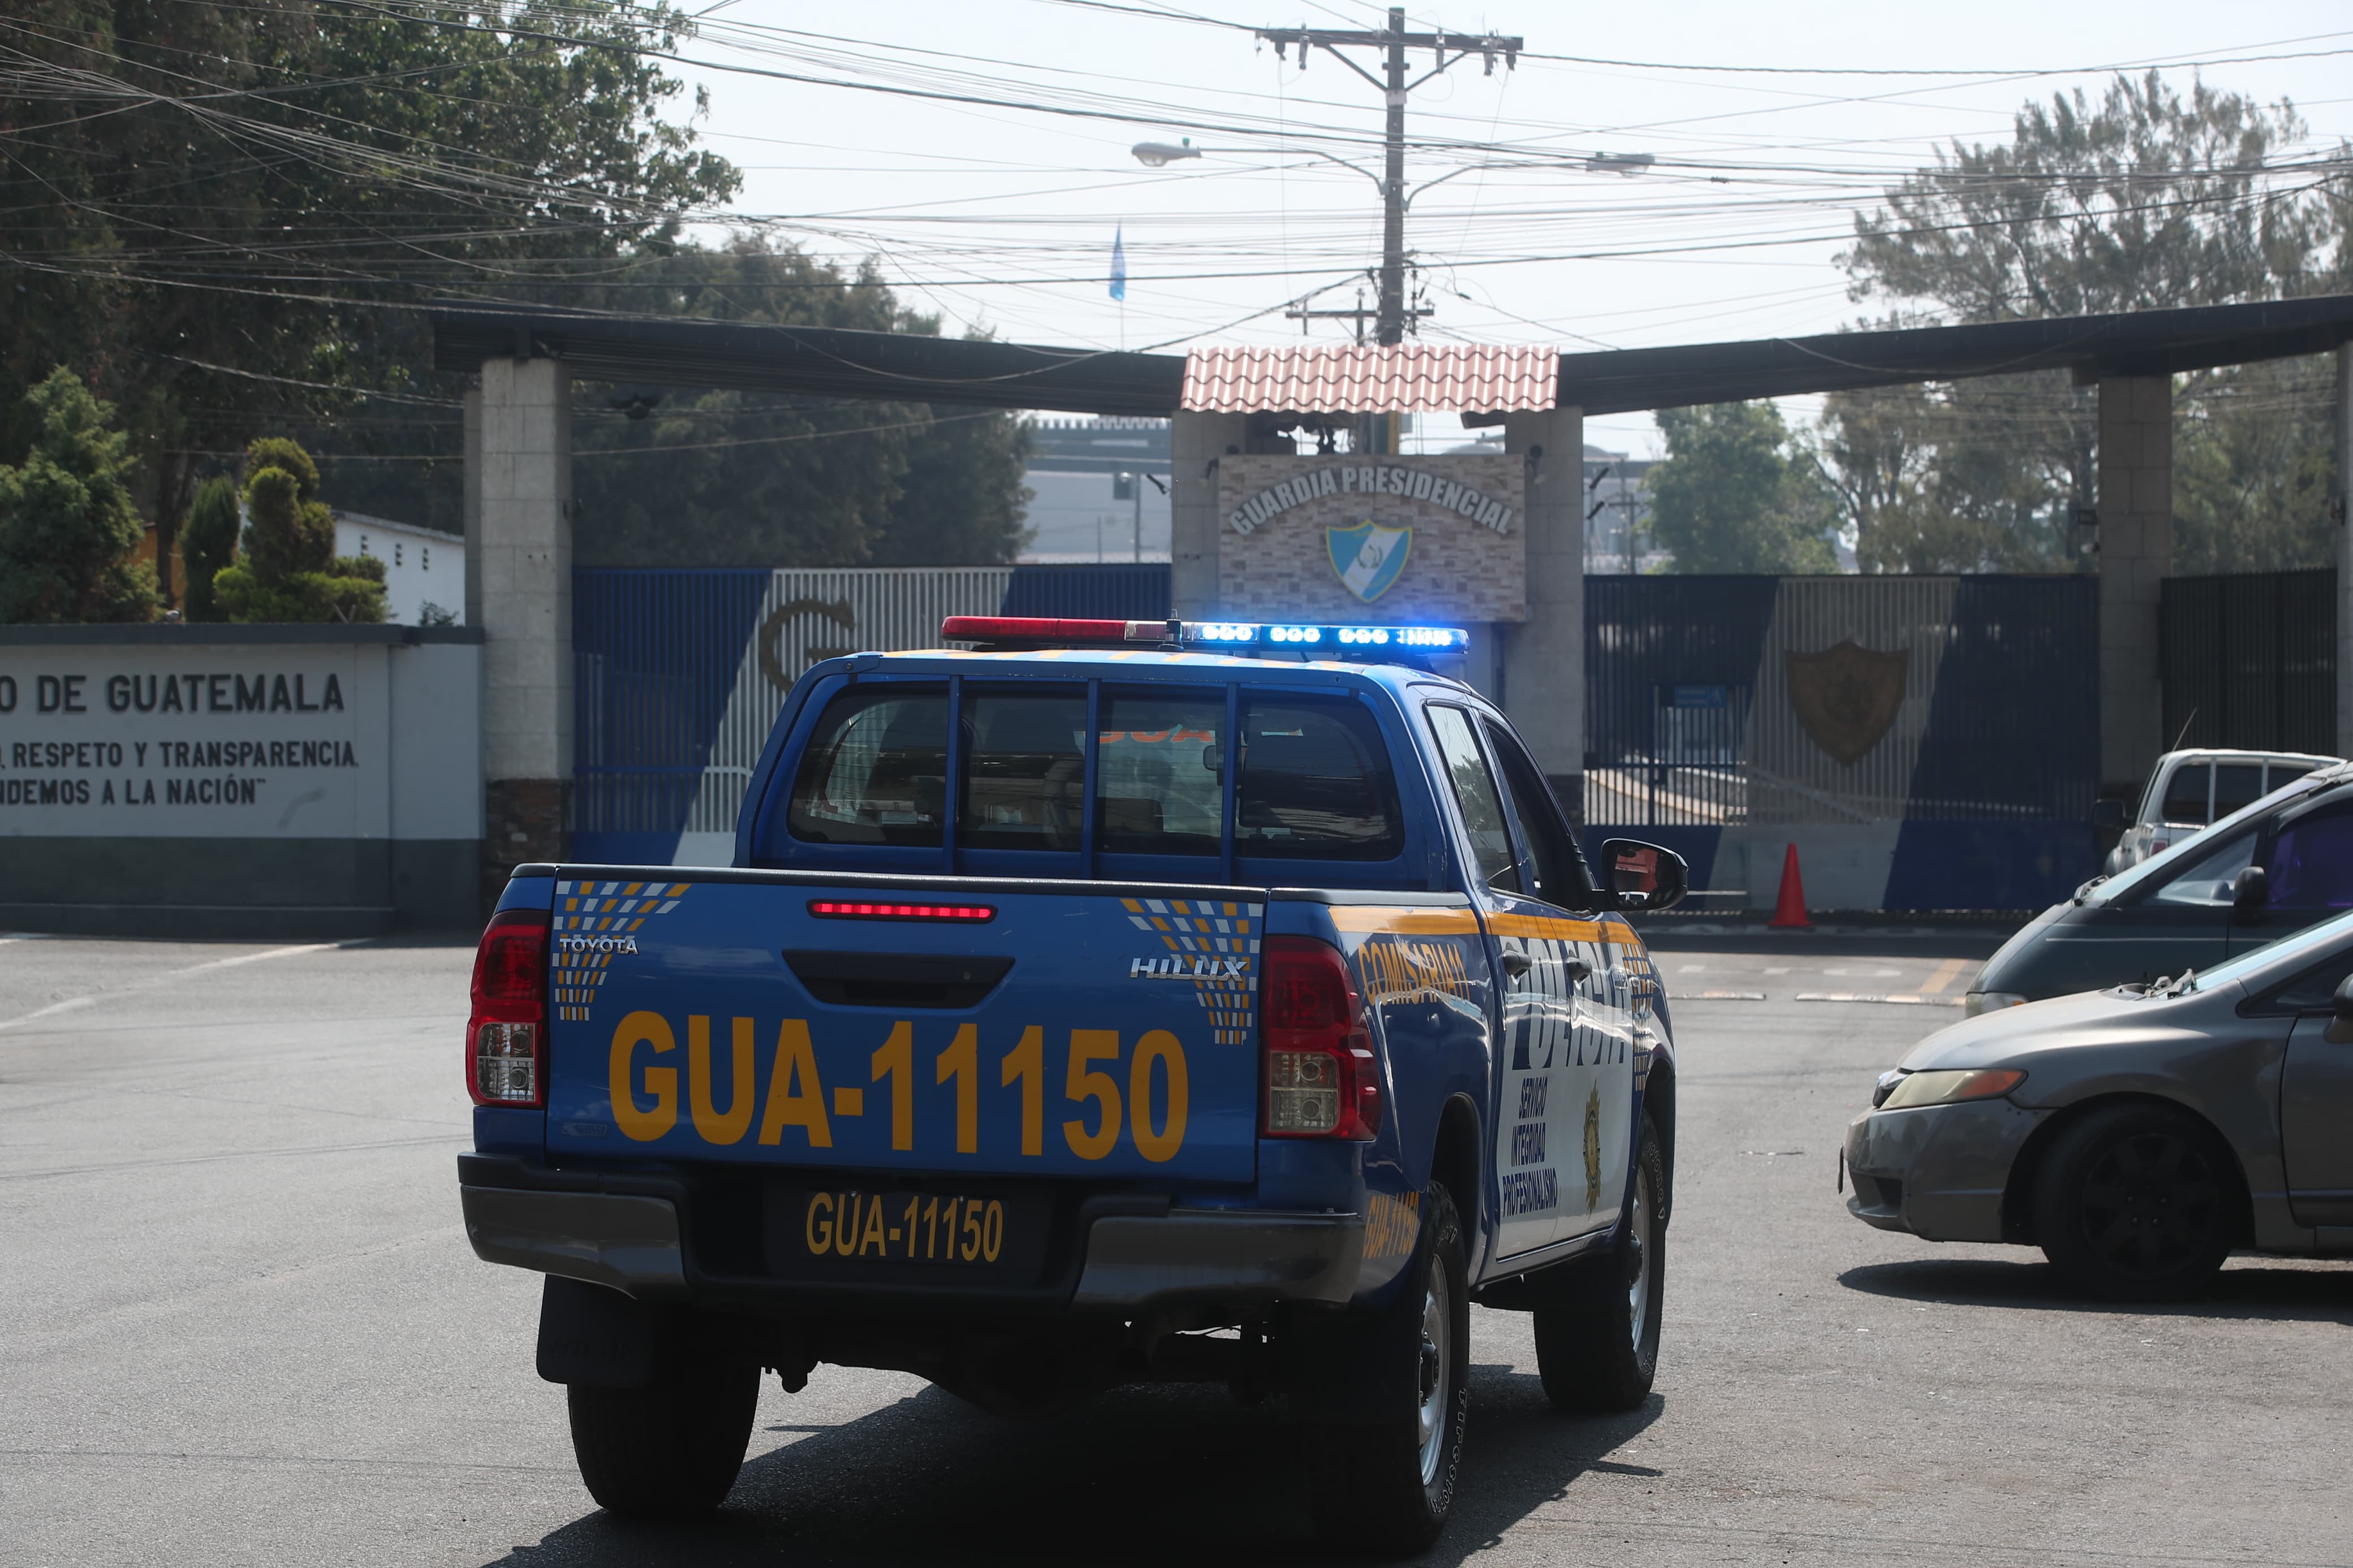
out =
column 1112, row 1002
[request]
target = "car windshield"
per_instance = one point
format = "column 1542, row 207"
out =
column 2307, row 943
column 2161, row 867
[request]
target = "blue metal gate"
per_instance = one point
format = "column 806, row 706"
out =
column 1933, row 742
column 679, row 673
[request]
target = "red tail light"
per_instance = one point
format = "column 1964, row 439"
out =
column 506, row 1039
column 1321, row 1078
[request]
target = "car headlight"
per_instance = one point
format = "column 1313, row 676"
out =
column 1914, row 1089
column 1990, row 1002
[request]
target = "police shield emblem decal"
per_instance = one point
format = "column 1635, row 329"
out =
column 1847, row 695
column 1368, row 556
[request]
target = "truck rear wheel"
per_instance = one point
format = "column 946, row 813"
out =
column 1597, row 1325
column 1385, row 1486
column 672, row 1448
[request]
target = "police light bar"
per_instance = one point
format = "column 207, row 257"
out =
column 1324, row 641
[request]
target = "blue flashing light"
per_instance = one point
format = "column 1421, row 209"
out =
column 1349, row 639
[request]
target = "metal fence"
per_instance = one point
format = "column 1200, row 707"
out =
column 1114, row 592
column 679, row 672
column 2250, row 660
column 1716, row 701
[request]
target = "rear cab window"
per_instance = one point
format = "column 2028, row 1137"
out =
column 2187, row 793
column 1147, row 795
column 875, row 771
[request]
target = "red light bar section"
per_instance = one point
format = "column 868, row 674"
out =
column 846, row 910
column 1047, row 629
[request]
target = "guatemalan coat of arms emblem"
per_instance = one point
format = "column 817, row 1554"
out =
column 1368, row 556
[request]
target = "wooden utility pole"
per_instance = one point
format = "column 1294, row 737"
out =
column 1446, row 49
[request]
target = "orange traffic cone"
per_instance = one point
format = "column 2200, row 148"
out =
column 1789, row 912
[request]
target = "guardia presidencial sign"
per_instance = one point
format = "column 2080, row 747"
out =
column 1372, row 539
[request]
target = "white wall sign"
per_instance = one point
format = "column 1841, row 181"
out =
column 207, row 740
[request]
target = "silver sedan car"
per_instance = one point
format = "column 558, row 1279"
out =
column 2136, row 1135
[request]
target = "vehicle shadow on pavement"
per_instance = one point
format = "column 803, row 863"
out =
column 1144, row 1475
column 2313, row 1293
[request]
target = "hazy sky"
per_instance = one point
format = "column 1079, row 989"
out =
column 1001, row 212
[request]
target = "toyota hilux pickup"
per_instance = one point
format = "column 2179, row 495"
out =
column 1100, row 1002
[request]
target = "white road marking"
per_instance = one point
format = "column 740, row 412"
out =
column 76, row 1004
column 1899, row 998
column 72, row 1004
column 272, row 952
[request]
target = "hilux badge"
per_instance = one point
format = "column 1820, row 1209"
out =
column 1176, row 966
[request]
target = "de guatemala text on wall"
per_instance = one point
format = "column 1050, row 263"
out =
column 231, row 780
column 254, row 743
column 1366, row 538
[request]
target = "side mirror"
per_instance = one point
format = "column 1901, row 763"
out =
column 2340, row 1027
column 1642, row 878
column 2248, row 889
column 2108, row 813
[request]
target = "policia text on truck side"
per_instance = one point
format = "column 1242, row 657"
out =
column 1125, row 1001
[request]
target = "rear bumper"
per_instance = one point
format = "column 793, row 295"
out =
column 573, row 1224
column 628, row 1242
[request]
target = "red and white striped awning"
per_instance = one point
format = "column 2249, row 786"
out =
column 1408, row 379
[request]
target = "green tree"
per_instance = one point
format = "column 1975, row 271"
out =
column 1735, row 495
column 1930, row 478
column 289, row 571
column 736, row 478
column 2254, row 469
column 212, row 200
column 67, row 522
column 962, row 500
column 2138, row 199
column 209, row 542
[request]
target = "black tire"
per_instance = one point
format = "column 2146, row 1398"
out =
column 668, row 1449
column 1384, row 1487
column 1596, row 1320
column 2138, row 1202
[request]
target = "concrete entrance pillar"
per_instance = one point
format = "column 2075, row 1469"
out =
column 2135, row 512
column 2344, row 515
column 519, row 591
column 1197, row 443
column 1544, row 657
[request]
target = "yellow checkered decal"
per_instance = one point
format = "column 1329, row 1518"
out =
column 601, row 908
column 1223, row 927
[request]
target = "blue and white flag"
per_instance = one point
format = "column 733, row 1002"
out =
column 1118, row 265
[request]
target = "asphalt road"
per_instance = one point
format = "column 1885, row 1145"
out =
column 243, row 1327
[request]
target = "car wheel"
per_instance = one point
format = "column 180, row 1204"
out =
column 1596, row 1320
column 2138, row 1202
column 1385, row 1486
column 672, row 1447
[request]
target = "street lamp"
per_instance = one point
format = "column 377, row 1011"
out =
column 1160, row 155
column 1619, row 163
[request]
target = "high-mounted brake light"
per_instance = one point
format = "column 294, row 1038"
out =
column 867, row 910
column 1338, row 641
column 506, row 1037
column 1321, row 1081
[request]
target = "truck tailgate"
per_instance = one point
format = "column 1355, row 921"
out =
column 755, row 1022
